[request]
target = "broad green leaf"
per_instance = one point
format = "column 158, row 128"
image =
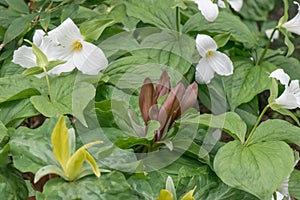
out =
column 45, row 19
column 247, row 81
column 225, row 23
column 12, row 184
column 205, row 180
column 290, row 65
column 7, row 16
column 158, row 13
column 294, row 184
column 74, row 164
column 169, row 48
column 109, row 186
column 31, row 149
column 230, row 122
column 16, row 87
column 256, row 168
column 49, row 169
column 222, row 39
column 92, row 29
column 4, row 137
column 257, row 10
column 60, row 143
column 17, row 27
column 18, row 5
column 69, row 11
column 131, row 142
column 276, row 130
column 165, row 195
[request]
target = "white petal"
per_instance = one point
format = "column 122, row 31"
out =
column 24, row 57
column 236, row 4
column 38, row 37
column 90, row 60
column 205, row 43
column 208, row 9
column 220, row 63
column 293, row 25
column 66, row 33
column 280, row 75
column 204, row 73
column 287, row 100
column 67, row 67
column 279, row 196
column 275, row 35
column 221, row 4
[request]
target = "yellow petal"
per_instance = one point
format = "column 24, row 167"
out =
column 60, row 142
column 189, row 195
column 165, row 195
column 93, row 163
column 74, row 165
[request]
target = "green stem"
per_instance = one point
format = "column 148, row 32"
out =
column 256, row 124
column 267, row 47
column 177, row 19
column 48, row 84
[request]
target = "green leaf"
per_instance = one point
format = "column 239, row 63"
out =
column 131, row 142
column 225, row 23
column 4, row 137
column 7, row 16
column 158, row 13
column 60, row 143
column 31, row 149
column 92, row 29
column 12, row 185
column 276, row 130
column 290, row 65
column 247, row 81
column 109, row 186
column 294, row 184
column 16, row 87
column 205, row 180
column 222, row 39
column 169, row 48
column 17, row 27
column 49, row 169
column 230, row 122
column 45, row 20
column 18, row 5
column 257, row 168
column 257, row 10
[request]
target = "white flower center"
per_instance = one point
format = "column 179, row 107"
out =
column 209, row 53
column 76, row 46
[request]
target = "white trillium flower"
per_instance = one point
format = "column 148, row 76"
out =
column 85, row 56
column 25, row 57
column 212, row 60
column 210, row 10
column 290, row 98
column 293, row 25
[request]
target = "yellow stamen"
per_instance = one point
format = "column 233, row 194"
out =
column 209, row 53
column 77, row 46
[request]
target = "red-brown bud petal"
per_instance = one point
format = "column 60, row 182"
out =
column 163, row 85
column 146, row 98
column 189, row 98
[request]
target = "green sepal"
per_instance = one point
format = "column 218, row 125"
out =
column 41, row 58
column 49, row 169
column 33, row 71
column 54, row 63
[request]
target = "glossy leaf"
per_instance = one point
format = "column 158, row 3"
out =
column 276, row 130
column 109, row 186
column 256, row 168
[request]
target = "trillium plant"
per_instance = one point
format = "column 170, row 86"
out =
column 149, row 100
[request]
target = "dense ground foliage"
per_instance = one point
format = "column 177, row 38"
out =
column 149, row 99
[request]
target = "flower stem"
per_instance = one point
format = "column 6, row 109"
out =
column 267, row 47
column 177, row 19
column 48, row 84
column 256, row 124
